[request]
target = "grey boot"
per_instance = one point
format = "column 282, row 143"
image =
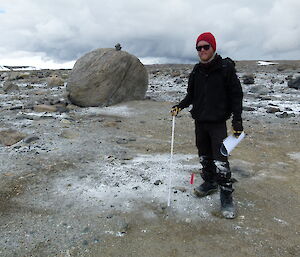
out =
column 224, row 180
column 228, row 209
column 206, row 188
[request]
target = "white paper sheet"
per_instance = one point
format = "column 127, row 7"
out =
column 230, row 143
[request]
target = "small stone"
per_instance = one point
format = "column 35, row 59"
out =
column 285, row 115
column 181, row 189
column 178, row 81
column 68, row 134
column 31, row 139
column 9, row 87
column 294, row 83
column 248, row 109
column 122, row 141
column 65, row 121
column 18, row 107
column 55, row 81
column 248, row 79
column 44, row 108
column 158, row 182
column 118, row 47
column 86, row 230
column 175, row 74
column 272, row 110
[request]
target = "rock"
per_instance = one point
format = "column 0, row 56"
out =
column 285, row 115
column 105, row 77
column 44, row 108
column 29, row 86
column 61, row 108
column 69, row 134
column 178, row 81
column 10, row 137
column 17, row 107
column 181, row 189
column 175, row 74
column 272, row 110
column 294, row 83
column 265, row 98
column 259, row 89
column 248, row 109
column 9, row 87
column 118, row 47
column 4, row 76
column 55, row 81
column 122, row 141
column 248, row 79
column 275, row 80
column 158, row 182
column 30, row 139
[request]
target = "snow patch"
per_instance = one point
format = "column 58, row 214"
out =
column 294, row 156
column 265, row 63
column 280, row 221
column 3, row 68
column 129, row 186
column 120, row 111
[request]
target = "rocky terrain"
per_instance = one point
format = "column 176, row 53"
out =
column 94, row 181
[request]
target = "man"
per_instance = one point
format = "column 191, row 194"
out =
column 215, row 93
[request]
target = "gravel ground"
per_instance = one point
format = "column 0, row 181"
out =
column 95, row 182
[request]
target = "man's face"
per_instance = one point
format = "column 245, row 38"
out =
column 205, row 55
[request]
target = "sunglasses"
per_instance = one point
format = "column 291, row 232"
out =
column 205, row 47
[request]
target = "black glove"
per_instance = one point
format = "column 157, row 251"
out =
column 175, row 110
column 237, row 127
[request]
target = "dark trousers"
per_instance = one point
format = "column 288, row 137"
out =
column 215, row 166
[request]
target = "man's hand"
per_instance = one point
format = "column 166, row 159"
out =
column 237, row 127
column 175, row 110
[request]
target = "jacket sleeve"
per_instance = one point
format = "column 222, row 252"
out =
column 235, row 95
column 188, row 99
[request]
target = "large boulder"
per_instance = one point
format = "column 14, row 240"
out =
column 105, row 77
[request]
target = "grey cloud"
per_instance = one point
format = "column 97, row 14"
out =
column 64, row 30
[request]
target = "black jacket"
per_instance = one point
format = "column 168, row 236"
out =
column 215, row 91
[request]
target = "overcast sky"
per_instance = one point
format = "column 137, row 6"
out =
column 60, row 31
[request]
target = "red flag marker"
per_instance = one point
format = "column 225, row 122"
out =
column 192, row 178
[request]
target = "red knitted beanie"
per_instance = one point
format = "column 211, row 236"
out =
column 209, row 38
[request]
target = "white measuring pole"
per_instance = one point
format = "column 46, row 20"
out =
column 171, row 161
